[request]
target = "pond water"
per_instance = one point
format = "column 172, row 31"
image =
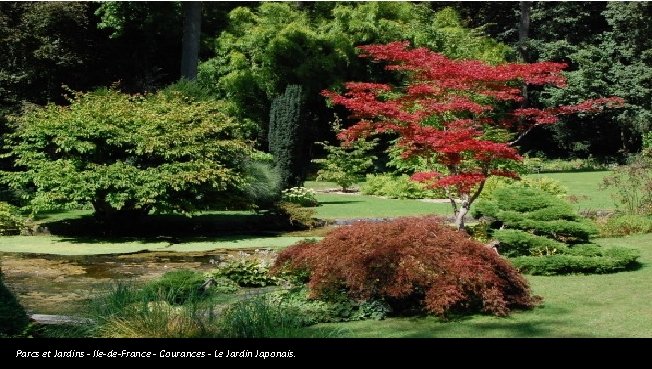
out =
column 58, row 284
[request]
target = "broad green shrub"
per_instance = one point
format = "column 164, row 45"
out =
column 398, row 187
column 11, row 222
column 13, row 318
column 131, row 154
column 302, row 196
column 412, row 264
column 543, row 235
column 624, row 225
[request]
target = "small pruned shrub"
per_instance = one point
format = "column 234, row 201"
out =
column 398, row 187
column 579, row 261
column 11, row 222
column 301, row 196
column 413, row 264
column 624, row 225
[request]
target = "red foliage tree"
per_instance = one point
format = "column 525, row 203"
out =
column 455, row 113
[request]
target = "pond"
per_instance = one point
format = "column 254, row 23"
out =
column 61, row 284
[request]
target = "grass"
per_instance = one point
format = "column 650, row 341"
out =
column 610, row 305
column 585, row 184
column 334, row 206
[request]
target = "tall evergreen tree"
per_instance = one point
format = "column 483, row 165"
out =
column 286, row 135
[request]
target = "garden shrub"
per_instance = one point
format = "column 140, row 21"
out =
column 297, row 215
column 247, row 272
column 632, row 185
column 413, row 264
column 624, row 225
column 538, row 165
column 545, row 184
column 514, row 242
column 607, row 261
column 302, row 196
column 13, row 318
column 398, row 187
column 11, row 222
column 338, row 307
column 543, row 235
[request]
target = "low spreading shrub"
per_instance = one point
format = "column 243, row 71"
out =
column 607, row 261
column 543, row 235
column 412, row 264
column 398, row 187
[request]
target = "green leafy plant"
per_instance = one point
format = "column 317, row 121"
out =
column 300, row 196
column 11, row 222
column 247, row 271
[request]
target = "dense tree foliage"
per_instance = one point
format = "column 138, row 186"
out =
column 276, row 44
column 129, row 154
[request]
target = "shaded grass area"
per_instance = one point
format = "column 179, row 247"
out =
column 609, row 305
column 585, row 184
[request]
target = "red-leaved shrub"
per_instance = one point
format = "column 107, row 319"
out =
column 411, row 263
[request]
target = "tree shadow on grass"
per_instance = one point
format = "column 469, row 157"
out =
column 167, row 228
column 340, row 202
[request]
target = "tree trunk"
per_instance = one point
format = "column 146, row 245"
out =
column 190, row 40
column 461, row 214
column 523, row 35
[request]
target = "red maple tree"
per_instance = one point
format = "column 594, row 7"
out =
column 455, row 113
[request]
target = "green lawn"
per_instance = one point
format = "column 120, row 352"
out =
column 334, row 206
column 611, row 305
column 585, row 184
